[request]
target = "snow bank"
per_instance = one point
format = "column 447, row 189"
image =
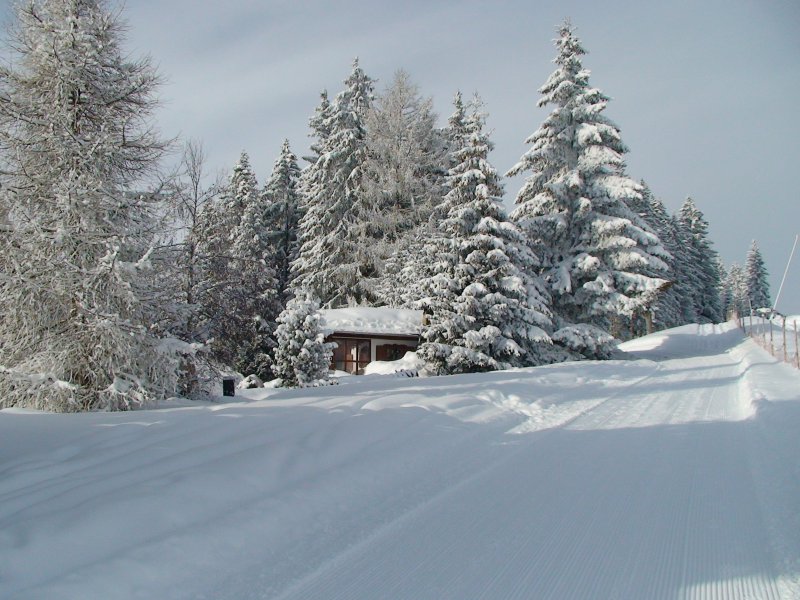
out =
column 410, row 364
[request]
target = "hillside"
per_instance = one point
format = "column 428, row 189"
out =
column 672, row 474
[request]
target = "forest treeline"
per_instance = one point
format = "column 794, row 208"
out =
column 114, row 297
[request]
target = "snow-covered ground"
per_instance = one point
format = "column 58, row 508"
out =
column 671, row 475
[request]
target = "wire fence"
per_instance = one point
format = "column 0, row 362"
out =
column 776, row 334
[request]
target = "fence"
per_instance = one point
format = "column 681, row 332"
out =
column 776, row 335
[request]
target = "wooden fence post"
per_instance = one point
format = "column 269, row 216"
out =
column 785, row 353
column 771, row 340
column 796, row 346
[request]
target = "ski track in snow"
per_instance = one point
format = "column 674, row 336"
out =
column 672, row 476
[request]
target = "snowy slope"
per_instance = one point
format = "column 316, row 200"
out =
column 672, row 475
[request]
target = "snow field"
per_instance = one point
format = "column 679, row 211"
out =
column 669, row 476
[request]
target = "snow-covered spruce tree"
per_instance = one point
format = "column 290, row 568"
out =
column 486, row 312
column 757, row 278
column 597, row 258
column 76, row 133
column 319, row 123
column 337, row 260
column 253, row 292
column 672, row 307
column 701, row 264
column 456, row 132
column 281, row 199
column 722, row 289
column 667, row 310
column 735, row 297
column 726, row 291
column 686, row 274
column 302, row 356
column 239, row 298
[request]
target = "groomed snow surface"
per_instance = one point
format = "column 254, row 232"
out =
column 675, row 474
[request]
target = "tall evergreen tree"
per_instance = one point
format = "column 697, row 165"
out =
column 487, row 313
column 319, row 124
column 283, row 212
column 686, row 278
column 456, row 133
column 598, row 259
column 668, row 308
column 701, row 264
column 76, row 133
column 239, row 290
column 337, row 262
column 253, row 290
column 736, row 291
column 757, row 278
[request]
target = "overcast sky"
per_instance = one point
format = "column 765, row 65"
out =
column 706, row 93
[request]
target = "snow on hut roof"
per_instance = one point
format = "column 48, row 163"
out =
column 372, row 320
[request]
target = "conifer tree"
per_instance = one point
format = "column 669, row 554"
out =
column 487, row 313
column 685, row 273
column 337, row 260
column 239, row 292
column 668, row 308
column 76, row 135
column 757, row 278
column 456, row 133
column 736, row 291
column 598, row 259
column 700, row 259
column 302, row 357
column 722, row 288
column 253, row 289
column 726, row 291
column 281, row 199
column 319, row 124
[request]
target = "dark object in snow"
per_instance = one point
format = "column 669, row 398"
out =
column 228, row 386
column 406, row 373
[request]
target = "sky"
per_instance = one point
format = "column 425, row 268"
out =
column 705, row 93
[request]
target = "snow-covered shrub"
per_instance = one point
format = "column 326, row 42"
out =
column 303, row 357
